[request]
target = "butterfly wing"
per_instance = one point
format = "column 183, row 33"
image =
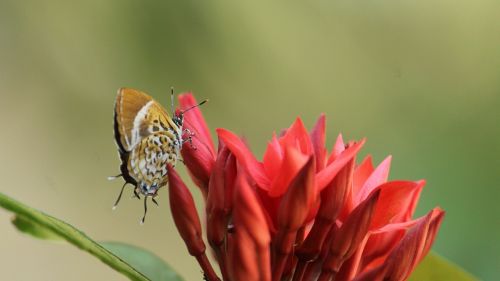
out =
column 137, row 115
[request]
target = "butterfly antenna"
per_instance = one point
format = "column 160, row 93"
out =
column 145, row 209
column 172, row 100
column 119, row 196
column 194, row 106
column 114, row 177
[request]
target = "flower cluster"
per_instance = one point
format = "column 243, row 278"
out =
column 299, row 214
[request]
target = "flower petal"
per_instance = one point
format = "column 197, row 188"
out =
column 361, row 173
column 413, row 247
column 391, row 209
column 414, row 201
column 437, row 216
column 249, row 217
column 292, row 214
column 351, row 269
column 325, row 176
column 379, row 245
column 273, row 157
column 194, row 121
column 242, row 258
column 332, row 200
column 318, row 138
column 333, row 197
column 351, row 234
column 217, row 215
column 409, row 251
column 338, row 147
column 244, row 156
column 395, row 199
column 297, row 136
column 293, row 161
column 299, row 197
column 376, row 274
column 230, row 173
column 252, row 237
column 378, row 177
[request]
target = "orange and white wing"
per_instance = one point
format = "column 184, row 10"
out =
column 137, row 115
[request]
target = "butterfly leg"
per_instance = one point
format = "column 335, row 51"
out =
column 114, row 177
column 154, row 201
column 136, row 194
column 189, row 137
column 145, row 209
column 119, row 196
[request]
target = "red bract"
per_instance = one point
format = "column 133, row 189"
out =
column 198, row 153
column 302, row 213
column 249, row 255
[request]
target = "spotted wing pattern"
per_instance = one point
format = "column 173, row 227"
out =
column 149, row 158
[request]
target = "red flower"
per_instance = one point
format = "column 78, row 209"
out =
column 249, row 256
column 303, row 213
column 199, row 153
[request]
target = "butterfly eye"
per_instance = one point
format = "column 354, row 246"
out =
column 178, row 119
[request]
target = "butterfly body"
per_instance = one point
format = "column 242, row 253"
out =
column 147, row 138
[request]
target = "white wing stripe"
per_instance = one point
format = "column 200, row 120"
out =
column 141, row 114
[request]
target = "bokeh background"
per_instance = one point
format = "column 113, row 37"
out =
column 419, row 79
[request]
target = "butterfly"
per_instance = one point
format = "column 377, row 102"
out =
column 147, row 139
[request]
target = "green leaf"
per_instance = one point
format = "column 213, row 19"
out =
column 437, row 268
column 27, row 226
column 40, row 225
column 144, row 261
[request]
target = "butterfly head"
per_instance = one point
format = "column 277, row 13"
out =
column 178, row 118
column 148, row 189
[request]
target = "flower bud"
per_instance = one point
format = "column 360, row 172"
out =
column 351, row 233
column 219, row 197
column 413, row 247
column 332, row 201
column 198, row 150
column 298, row 199
column 292, row 214
column 184, row 213
column 250, row 255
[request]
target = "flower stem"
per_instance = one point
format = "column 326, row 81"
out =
column 221, row 257
column 299, row 271
column 279, row 267
column 207, row 267
column 325, row 276
column 283, row 248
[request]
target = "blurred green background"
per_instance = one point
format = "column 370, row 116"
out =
column 419, row 79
